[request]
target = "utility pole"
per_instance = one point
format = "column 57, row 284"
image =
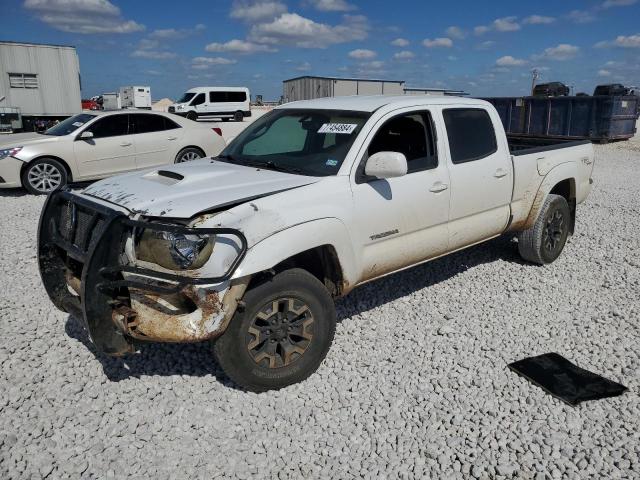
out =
column 535, row 74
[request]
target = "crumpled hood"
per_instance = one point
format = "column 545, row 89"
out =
column 184, row 190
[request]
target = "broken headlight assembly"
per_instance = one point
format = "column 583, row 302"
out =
column 174, row 250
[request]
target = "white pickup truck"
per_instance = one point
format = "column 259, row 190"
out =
column 313, row 199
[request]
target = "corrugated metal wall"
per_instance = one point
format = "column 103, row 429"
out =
column 308, row 88
column 58, row 71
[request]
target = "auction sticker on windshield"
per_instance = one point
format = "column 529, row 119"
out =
column 345, row 128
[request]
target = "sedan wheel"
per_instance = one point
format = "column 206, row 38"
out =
column 44, row 176
column 188, row 154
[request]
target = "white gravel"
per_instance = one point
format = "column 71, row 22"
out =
column 415, row 385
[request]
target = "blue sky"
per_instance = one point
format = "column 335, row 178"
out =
column 485, row 48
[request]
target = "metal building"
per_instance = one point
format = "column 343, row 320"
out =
column 308, row 87
column 41, row 81
column 433, row 91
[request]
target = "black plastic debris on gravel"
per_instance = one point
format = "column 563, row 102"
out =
column 564, row 380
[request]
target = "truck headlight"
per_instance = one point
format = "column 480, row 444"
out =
column 175, row 251
column 9, row 152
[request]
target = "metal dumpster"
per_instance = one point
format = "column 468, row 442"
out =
column 600, row 118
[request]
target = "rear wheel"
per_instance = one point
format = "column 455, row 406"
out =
column 188, row 154
column 544, row 242
column 238, row 116
column 281, row 336
column 44, row 176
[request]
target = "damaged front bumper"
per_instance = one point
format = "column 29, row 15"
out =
column 86, row 272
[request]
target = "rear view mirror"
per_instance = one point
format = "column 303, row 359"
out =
column 86, row 135
column 386, row 165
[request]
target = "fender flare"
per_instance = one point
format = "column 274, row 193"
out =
column 560, row 173
column 296, row 239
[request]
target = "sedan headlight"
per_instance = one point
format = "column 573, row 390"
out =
column 175, row 251
column 9, row 152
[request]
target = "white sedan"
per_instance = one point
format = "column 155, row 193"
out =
column 92, row 145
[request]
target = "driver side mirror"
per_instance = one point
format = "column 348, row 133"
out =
column 86, row 135
column 386, row 165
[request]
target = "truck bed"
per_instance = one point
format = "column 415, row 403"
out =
column 519, row 145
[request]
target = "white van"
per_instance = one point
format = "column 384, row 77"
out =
column 214, row 102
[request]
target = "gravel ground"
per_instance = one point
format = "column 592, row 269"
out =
column 415, row 385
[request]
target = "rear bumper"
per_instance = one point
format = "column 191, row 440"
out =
column 81, row 247
column 10, row 172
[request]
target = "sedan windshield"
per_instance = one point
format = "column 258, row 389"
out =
column 304, row 142
column 186, row 97
column 69, row 125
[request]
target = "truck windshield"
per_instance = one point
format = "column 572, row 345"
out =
column 303, row 142
column 69, row 125
column 186, row 97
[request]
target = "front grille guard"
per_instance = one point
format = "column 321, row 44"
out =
column 96, row 246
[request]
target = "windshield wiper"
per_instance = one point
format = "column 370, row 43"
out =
column 281, row 168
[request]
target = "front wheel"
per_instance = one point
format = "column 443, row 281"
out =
column 281, row 335
column 44, row 176
column 544, row 242
column 192, row 116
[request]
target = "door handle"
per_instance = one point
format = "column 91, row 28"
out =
column 172, row 138
column 438, row 187
column 125, row 144
column 500, row 173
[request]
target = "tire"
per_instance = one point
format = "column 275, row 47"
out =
column 544, row 242
column 258, row 353
column 44, row 176
column 192, row 116
column 188, row 154
column 238, row 116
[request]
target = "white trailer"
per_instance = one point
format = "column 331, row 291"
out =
column 111, row 101
column 42, row 81
column 136, row 97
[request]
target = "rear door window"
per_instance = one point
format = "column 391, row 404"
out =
column 147, row 123
column 227, row 97
column 470, row 132
column 111, row 126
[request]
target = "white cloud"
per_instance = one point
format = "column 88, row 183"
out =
column 604, row 73
column 455, row 32
column 438, row 42
column 292, row 29
column 304, row 67
column 509, row 61
column 505, row 24
column 153, row 54
column 172, row 33
column 404, row 55
column 362, row 54
column 82, row 16
column 485, row 45
column 581, row 16
column 538, row 20
column 331, row 5
column 239, row 46
column 202, row 63
column 257, row 10
column 622, row 41
column 618, row 3
column 400, row 42
column 560, row 52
